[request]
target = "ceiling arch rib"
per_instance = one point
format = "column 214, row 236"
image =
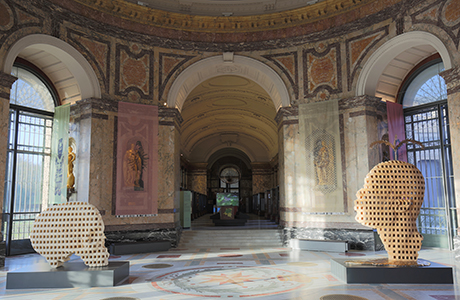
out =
column 242, row 66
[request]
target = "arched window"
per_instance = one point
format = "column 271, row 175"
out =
column 424, row 99
column 425, row 86
column 32, row 103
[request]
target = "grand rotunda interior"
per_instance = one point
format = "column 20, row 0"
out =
column 214, row 137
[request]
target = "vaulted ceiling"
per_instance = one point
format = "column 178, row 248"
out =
column 229, row 112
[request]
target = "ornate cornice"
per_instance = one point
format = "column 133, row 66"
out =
column 236, row 24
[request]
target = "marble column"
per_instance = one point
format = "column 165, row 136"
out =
column 287, row 119
column 359, row 120
column 169, row 164
column 93, row 126
column 6, row 81
column 197, row 177
column 452, row 78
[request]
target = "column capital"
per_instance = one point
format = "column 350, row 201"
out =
column 362, row 101
column 452, row 78
column 169, row 116
column 286, row 114
column 7, row 80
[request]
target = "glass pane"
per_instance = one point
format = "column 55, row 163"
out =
column 427, row 87
column 30, row 91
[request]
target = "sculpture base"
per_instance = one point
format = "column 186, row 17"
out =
column 356, row 273
column 73, row 274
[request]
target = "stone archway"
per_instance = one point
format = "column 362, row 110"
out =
column 377, row 63
column 60, row 53
column 229, row 64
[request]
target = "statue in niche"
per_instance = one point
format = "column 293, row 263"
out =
column 134, row 163
column 322, row 159
column 70, row 175
column 390, row 201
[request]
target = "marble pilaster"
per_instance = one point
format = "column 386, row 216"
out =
column 197, row 177
column 6, row 81
column 452, row 78
column 169, row 163
column 288, row 136
column 94, row 127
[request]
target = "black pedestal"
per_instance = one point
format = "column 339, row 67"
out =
column 71, row 274
column 355, row 273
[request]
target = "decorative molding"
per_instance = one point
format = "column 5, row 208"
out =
column 96, row 50
column 366, row 42
column 291, row 71
column 441, row 13
column 167, row 70
column 322, row 71
column 221, row 24
column 137, row 60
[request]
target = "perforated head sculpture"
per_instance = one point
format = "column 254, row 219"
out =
column 68, row 228
column 390, row 201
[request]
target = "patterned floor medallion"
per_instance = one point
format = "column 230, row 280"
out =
column 231, row 282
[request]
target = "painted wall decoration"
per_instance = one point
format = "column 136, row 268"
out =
column 70, row 228
column 137, row 160
column 322, row 70
column 321, row 164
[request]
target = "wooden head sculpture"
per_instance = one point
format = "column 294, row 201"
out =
column 390, row 201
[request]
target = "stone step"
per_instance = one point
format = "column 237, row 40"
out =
column 230, row 238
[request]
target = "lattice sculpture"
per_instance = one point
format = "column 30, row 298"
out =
column 70, row 228
column 390, row 201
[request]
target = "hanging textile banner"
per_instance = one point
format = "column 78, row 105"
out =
column 321, row 171
column 396, row 132
column 137, row 160
column 59, row 151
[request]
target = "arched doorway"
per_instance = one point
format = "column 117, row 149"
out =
column 397, row 72
column 51, row 73
column 228, row 110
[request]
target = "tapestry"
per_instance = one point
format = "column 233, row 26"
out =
column 396, row 132
column 59, row 157
column 137, row 160
column 320, row 172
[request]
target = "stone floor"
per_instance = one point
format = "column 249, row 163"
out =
column 268, row 273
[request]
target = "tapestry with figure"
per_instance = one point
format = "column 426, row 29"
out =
column 321, row 171
column 137, row 160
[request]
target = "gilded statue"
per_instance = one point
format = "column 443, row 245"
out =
column 322, row 159
column 70, row 174
column 134, row 162
column 390, row 201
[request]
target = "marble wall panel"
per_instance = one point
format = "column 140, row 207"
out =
column 357, row 239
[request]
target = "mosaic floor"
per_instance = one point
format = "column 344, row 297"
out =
column 269, row 273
